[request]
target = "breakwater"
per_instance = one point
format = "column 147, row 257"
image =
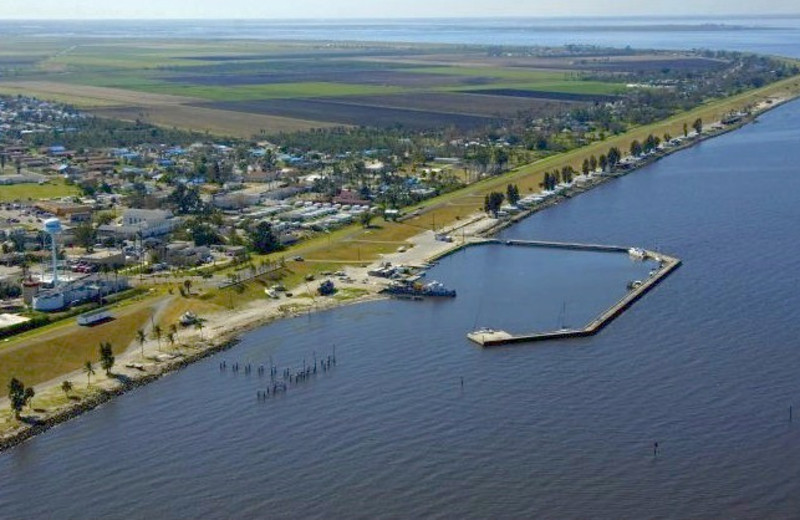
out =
column 667, row 265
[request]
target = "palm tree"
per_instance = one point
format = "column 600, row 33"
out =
column 29, row 393
column 171, row 339
column 66, row 387
column 140, row 336
column 89, row 369
column 198, row 324
column 157, row 334
column 106, row 356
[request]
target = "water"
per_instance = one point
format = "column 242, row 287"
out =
column 763, row 34
column 706, row 365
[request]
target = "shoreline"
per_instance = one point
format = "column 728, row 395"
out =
column 226, row 328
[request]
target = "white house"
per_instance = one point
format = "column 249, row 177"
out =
column 142, row 222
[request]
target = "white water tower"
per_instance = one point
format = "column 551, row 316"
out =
column 52, row 227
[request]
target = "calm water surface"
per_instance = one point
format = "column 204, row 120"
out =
column 763, row 34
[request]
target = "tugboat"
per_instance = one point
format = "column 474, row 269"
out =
column 433, row 288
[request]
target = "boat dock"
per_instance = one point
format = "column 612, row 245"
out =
column 492, row 338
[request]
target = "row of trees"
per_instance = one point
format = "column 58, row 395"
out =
column 494, row 200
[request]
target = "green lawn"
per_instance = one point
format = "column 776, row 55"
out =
column 52, row 189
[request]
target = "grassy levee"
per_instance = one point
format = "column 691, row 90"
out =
column 445, row 209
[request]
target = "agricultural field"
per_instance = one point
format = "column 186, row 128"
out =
column 352, row 114
column 247, row 88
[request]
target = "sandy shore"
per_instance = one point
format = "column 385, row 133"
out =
column 222, row 329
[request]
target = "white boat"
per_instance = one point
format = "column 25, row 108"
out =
column 637, row 254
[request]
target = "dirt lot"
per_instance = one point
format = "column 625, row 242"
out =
column 103, row 95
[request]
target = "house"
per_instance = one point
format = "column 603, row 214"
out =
column 142, row 223
column 185, row 254
column 76, row 213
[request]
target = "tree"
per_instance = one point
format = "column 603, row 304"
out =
column 187, row 285
column 66, row 387
column 89, row 369
column 651, row 143
column 698, row 125
column 106, row 357
column 103, row 218
column 614, row 155
column 171, row 339
column 198, row 324
column 203, row 234
column 85, row 236
column 186, row 200
column 365, row 219
column 28, row 395
column 586, row 168
column 512, row 193
column 603, row 162
column 157, row 332
column 141, row 338
column 593, row 163
column 16, row 396
column 636, row 148
column 685, row 130
column 262, row 239
column 493, row 202
column 500, row 158
column 2, row 161
column 566, row 173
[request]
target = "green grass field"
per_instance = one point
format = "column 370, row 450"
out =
column 273, row 91
column 24, row 192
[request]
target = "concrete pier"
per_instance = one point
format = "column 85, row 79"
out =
column 492, row 338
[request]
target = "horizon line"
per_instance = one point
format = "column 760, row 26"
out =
column 407, row 18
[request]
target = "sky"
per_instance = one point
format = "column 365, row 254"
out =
column 316, row 9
